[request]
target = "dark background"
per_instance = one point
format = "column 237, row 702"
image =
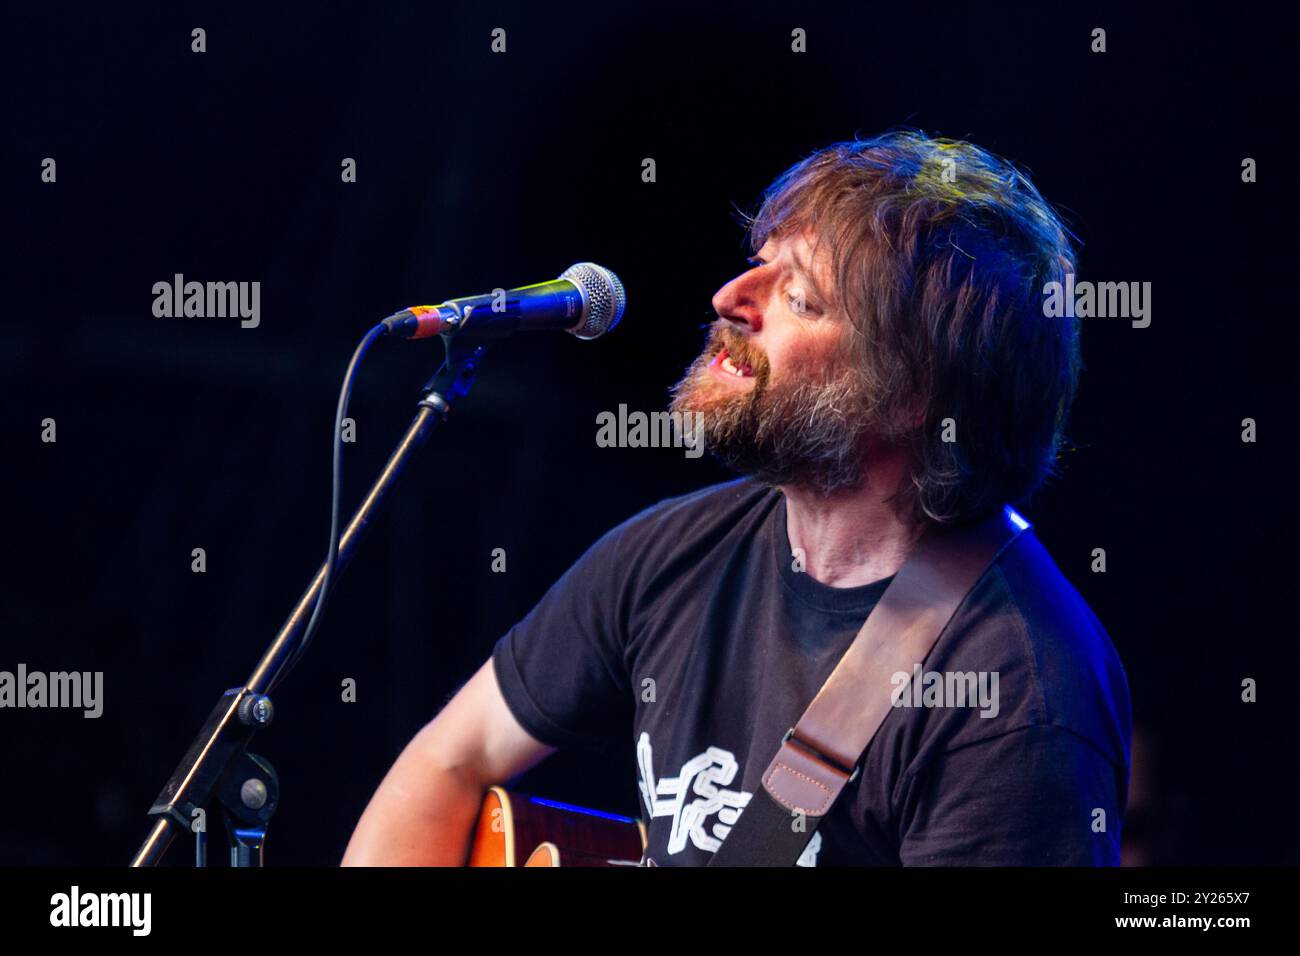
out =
column 478, row 170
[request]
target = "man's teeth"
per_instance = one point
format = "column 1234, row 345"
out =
column 727, row 366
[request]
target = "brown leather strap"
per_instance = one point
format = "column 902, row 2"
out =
column 820, row 754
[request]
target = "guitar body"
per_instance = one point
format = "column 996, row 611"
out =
column 515, row 829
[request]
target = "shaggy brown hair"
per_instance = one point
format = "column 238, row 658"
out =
column 939, row 252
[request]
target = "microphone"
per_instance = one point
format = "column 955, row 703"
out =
column 587, row 300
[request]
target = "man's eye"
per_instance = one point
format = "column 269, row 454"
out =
column 800, row 304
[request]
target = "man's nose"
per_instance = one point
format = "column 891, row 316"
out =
column 739, row 302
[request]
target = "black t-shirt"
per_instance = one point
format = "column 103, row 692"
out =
column 690, row 628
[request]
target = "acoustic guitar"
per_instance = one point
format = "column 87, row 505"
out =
column 551, row 833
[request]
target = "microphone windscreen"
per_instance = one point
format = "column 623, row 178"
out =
column 602, row 294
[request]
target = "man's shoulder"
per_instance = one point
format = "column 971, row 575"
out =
column 1068, row 642
column 1056, row 664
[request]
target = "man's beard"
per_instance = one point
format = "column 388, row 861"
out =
column 809, row 433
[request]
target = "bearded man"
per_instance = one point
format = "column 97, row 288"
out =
column 885, row 365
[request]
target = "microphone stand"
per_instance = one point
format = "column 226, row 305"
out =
column 217, row 765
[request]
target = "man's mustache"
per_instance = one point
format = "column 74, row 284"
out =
column 740, row 350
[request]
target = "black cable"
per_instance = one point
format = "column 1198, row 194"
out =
column 332, row 554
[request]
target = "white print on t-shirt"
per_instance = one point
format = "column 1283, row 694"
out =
column 707, row 776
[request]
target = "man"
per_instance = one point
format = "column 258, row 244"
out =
column 884, row 364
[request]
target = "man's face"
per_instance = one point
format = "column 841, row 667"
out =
column 775, row 382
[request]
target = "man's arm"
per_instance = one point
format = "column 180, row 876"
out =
column 424, row 810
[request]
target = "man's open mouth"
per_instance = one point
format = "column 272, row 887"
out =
column 722, row 363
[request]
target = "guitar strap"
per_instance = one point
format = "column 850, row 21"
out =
column 822, row 753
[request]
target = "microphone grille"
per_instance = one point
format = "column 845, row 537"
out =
column 603, row 295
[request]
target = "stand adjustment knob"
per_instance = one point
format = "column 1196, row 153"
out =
column 256, row 710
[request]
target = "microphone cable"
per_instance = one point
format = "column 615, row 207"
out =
column 332, row 552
